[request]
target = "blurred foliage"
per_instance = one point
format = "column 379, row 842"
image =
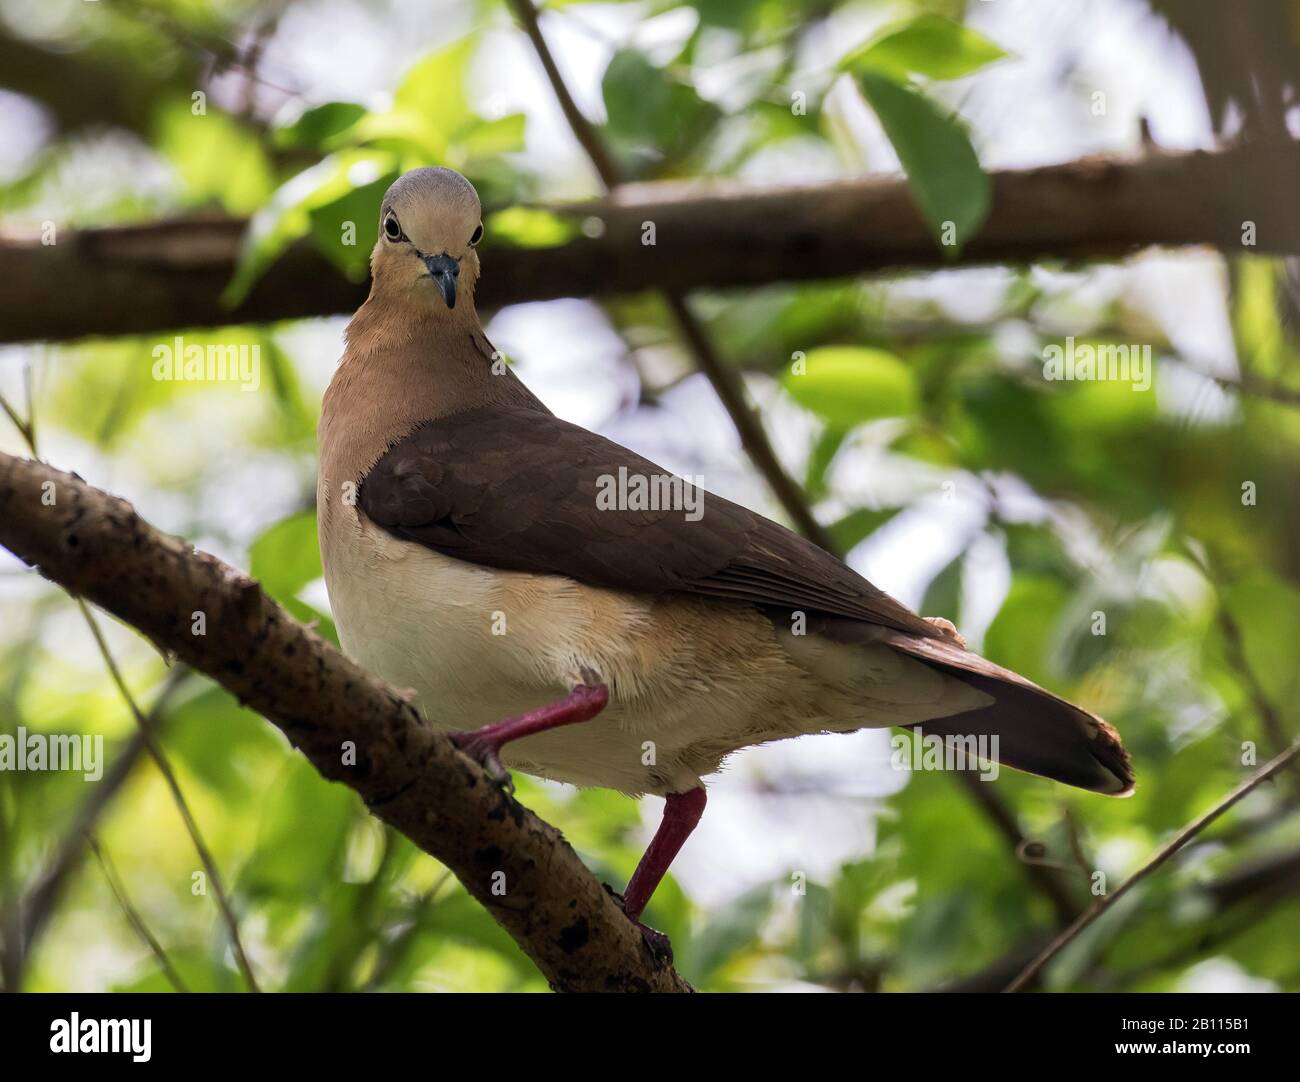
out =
column 1169, row 513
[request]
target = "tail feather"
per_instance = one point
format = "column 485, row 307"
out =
column 1037, row 731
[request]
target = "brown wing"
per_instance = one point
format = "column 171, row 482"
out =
column 525, row 491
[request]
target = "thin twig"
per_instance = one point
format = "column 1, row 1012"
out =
column 1259, row 387
column 41, row 899
column 137, row 922
column 583, row 130
column 726, row 381
column 1190, row 831
column 155, row 750
column 165, row 768
column 396, row 948
column 23, row 429
column 730, row 389
column 1236, row 650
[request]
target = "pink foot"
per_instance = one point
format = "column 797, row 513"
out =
column 484, row 745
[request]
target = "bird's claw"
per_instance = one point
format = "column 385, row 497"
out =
column 659, row 945
column 486, row 754
column 661, row 948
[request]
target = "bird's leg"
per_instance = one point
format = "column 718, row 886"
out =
column 484, row 745
column 682, row 812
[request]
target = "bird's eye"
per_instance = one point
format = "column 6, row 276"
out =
column 392, row 230
column 478, row 235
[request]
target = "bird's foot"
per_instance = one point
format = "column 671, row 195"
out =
column 659, row 945
column 661, row 948
column 948, row 628
column 487, row 753
column 484, row 745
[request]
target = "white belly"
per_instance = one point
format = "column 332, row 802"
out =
column 690, row 681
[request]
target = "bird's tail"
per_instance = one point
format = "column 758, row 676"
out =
column 1036, row 731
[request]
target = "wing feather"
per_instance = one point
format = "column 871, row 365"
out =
column 518, row 489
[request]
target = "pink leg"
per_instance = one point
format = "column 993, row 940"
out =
column 484, row 745
column 682, row 812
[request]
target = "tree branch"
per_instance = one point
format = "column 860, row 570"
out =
column 353, row 728
column 170, row 275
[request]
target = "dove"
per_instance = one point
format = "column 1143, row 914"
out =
column 564, row 607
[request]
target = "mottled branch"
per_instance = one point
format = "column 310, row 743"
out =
column 520, row 868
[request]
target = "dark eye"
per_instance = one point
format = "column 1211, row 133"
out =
column 478, row 235
column 392, row 230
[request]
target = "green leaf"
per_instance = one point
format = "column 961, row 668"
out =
column 345, row 230
column 301, row 835
column 847, row 385
column 732, row 929
column 287, row 217
column 943, row 595
column 928, row 45
column 432, row 92
column 286, row 556
column 219, row 159
column 943, row 170
column 819, row 461
column 222, row 743
column 1266, row 610
column 492, row 138
column 1020, row 634
column 650, row 115
column 529, row 227
column 320, row 126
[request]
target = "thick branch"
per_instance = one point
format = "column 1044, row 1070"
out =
column 170, row 275
column 520, row 868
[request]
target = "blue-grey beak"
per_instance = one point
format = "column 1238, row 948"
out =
column 444, row 271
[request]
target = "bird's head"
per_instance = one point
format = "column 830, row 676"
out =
column 429, row 222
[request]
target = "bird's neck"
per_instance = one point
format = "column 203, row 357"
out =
column 403, row 368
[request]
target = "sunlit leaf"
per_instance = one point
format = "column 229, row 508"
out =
column 219, row 158
column 529, row 227
column 928, row 45
column 287, row 216
column 847, row 385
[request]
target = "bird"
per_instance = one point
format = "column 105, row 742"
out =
column 473, row 557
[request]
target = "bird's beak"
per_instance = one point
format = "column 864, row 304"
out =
column 444, row 271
